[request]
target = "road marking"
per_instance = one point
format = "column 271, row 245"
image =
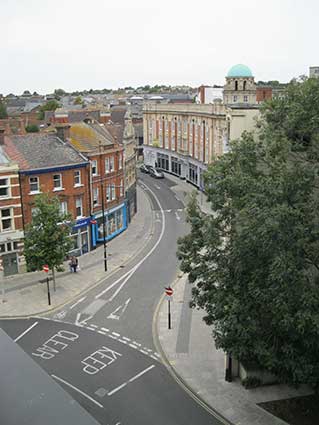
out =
column 78, row 302
column 177, row 216
column 101, row 332
column 105, row 329
column 60, row 315
column 128, row 275
column 78, row 390
column 116, row 334
column 168, row 210
column 144, row 352
column 94, row 326
column 141, row 373
column 111, row 336
column 133, row 346
column 177, row 198
column 157, row 187
column 117, row 389
column 121, row 308
column 136, row 343
column 26, row 331
column 126, row 339
column 122, row 341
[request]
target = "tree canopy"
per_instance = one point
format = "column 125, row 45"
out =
column 51, row 105
column 255, row 262
column 32, row 128
column 3, row 110
column 47, row 238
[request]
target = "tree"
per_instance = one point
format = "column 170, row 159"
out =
column 255, row 262
column 59, row 92
column 51, row 105
column 3, row 111
column 32, row 128
column 47, row 238
column 78, row 100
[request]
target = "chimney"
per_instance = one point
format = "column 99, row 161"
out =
column 2, row 136
column 63, row 131
column 21, row 130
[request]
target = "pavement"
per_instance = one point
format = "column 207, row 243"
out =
column 187, row 349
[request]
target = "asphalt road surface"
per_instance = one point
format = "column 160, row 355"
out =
column 100, row 348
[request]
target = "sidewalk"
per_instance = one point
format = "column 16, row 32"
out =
column 189, row 352
column 26, row 296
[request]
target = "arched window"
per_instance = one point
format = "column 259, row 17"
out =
column 244, row 85
column 236, row 85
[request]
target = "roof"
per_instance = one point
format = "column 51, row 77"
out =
column 38, row 151
column 87, row 137
column 239, row 70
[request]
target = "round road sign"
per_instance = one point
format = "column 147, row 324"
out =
column 45, row 268
column 169, row 291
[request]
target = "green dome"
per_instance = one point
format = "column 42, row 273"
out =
column 239, row 71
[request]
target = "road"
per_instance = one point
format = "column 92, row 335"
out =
column 100, row 347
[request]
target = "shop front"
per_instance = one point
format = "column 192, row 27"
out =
column 80, row 237
column 115, row 223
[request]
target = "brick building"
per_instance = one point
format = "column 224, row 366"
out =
column 48, row 165
column 11, row 226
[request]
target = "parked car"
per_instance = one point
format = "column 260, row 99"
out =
column 144, row 168
column 156, row 173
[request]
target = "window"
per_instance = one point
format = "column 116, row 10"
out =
column 34, row 184
column 121, row 188
column 245, row 98
column 108, row 193
column 111, row 163
column 244, row 85
column 107, row 165
column 95, row 196
column 6, row 219
column 4, row 188
column 79, row 208
column 236, row 85
column 77, row 178
column 94, row 167
column 235, row 99
column 63, row 207
column 120, row 161
column 57, row 182
column 113, row 192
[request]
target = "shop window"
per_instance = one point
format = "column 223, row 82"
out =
column 57, row 182
column 77, row 178
column 79, row 207
column 6, row 219
column 4, row 188
column 34, row 184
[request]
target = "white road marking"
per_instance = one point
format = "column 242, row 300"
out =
column 117, row 389
column 133, row 346
column 26, row 331
column 121, row 309
column 157, row 187
column 177, row 216
column 82, row 322
column 122, row 341
column 78, row 390
column 105, row 329
column 130, row 380
column 60, row 315
column 177, row 198
column 101, row 332
column 116, row 334
column 111, row 336
column 94, row 326
column 144, row 352
column 168, row 210
column 180, row 209
column 141, row 373
column 128, row 275
column 136, row 343
column 153, row 357
column 126, row 339
column 78, row 302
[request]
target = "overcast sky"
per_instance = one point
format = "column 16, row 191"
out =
column 83, row 44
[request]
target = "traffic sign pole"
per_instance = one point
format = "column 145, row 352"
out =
column 48, row 286
column 169, row 292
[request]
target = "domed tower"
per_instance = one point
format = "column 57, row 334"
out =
column 240, row 87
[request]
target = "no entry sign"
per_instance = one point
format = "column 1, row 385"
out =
column 46, row 268
column 169, row 291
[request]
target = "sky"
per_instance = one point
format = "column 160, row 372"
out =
column 84, row 44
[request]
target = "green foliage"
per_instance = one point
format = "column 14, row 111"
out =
column 59, row 92
column 251, row 382
column 51, row 105
column 32, row 128
column 47, row 238
column 255, row 262
column 3, row 111
column 78, row 100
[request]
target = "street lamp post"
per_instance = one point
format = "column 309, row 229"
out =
column 104, row 235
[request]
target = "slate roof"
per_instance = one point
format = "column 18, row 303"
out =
column 88, row 137
column 38, row 151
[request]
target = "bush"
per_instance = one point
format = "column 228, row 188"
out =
column 32, row 128
column 251, row 382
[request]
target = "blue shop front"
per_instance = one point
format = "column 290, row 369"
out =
column 115, row 223
column 80, row 237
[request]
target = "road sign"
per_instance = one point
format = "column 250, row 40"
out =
column 169, row 291
column 45, row 268
column 93, row 221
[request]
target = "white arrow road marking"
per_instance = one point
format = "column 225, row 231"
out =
column 60, row 315
column 177, row 216
column 89, row 311
column 121, row 308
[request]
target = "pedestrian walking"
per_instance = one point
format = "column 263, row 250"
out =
column 74, row 263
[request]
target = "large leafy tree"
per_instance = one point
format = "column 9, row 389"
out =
column 51, row 105
column 255, row 262
column 3, row 110
column 47, row 238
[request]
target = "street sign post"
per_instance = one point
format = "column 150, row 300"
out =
column 46, row 270
column 169, row 292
